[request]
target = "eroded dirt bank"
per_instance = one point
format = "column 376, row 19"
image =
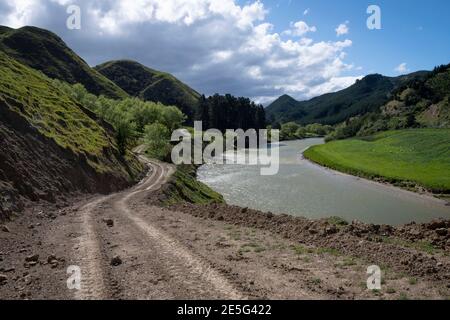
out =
column 129, row 247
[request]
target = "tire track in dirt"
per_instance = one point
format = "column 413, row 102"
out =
column 92, row 282
column 184, row 269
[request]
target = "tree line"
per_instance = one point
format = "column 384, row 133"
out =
column 229, row 112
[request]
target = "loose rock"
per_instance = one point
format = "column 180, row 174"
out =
column 116, row 261
column 32, row 258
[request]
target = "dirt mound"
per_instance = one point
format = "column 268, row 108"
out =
column 415, row 249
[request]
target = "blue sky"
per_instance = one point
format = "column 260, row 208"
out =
column 415, row 32
column 254, row 48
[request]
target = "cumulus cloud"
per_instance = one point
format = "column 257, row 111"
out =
column 342, row 29
column 299, row 29
column 402, row 68
column 212, row 45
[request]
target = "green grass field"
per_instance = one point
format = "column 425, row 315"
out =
column 405, row 158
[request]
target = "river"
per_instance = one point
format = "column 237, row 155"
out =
column 302, row 188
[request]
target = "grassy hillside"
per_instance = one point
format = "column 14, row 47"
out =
column 184, row 187
column 42, row 50
column 51, row 144
column 366, row 95
column 406, row 157
column 151, row 85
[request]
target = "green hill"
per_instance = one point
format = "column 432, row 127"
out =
column 151, row 85
column 426, row 101
column 366, row 95
column 406, row 158
column 50, row 144
column 44, row 51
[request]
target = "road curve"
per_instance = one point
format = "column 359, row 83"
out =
column 179, row 273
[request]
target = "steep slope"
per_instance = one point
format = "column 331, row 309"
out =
column 51, row 145
column 42, row 50
column 151, row 85
column 426, row 101
column 366, row 95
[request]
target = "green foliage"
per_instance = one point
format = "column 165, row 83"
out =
column 124, row 134
column 293, row 131
column 365, row 96
column 228, row 112
column 151, row 85
column 157, row 137
column 184, row 187
column 58, row 116
column 407, row 157
column 44, row 51
column 418, row 102
column 131, row 117
column 55, row 114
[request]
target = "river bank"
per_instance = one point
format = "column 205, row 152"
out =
column 303, row 189
column 416, row 160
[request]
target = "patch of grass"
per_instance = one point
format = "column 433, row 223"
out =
column 235, row 235
column 184, row 187
column 424, row 246
column 349, row 261
column 330, row 251
column 316, row 281
column 337, row 221
column 390, row 290
column 299, row 249
column 376, row 292
column 405, row 157
column 403, row 296
column 412, row 281
column 253, row 246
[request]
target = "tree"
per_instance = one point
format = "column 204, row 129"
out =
column 288, row 130
column 124, row 133
column 157, row 137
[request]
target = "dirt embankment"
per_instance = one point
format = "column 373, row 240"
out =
column 128, row 247
column 34, row 167
column 417, row 249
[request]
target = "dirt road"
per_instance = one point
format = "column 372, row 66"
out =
column 126, row 248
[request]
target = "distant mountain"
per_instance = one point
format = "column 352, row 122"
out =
column 44, row 51
column 51, row 145
column 366, row 95
column 151, row 85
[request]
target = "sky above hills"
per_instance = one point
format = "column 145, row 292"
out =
column 259, row 49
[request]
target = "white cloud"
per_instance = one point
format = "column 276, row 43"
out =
column 402, row 68
column 299, row 29
column 212, row 45
column 342, row 29
column 306, row 12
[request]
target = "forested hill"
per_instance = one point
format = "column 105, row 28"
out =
column 44, row 51
column 366, row 95
column 418, row 103
column 151, row 85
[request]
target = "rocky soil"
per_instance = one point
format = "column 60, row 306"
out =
column 129, row 247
